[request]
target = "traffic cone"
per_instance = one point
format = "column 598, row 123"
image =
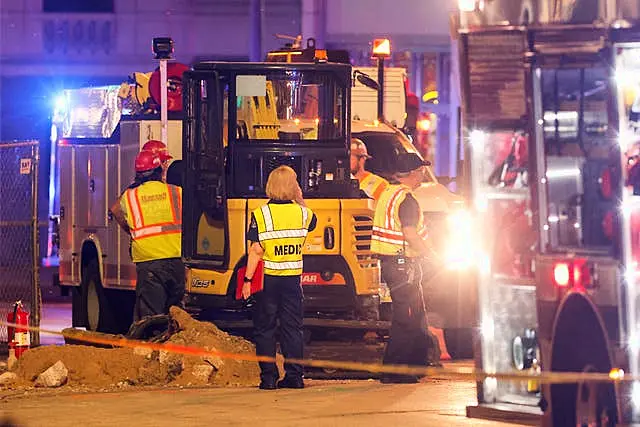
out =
column 439, row 334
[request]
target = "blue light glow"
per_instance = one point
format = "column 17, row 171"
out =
column 60, row 103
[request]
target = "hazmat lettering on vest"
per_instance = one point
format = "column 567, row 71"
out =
column 154, row 197
column 281, row 250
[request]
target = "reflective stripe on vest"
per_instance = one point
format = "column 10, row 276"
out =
column 284, row 265
column 282, row 230
column 155, row 215
column 387, row 237
column 373, row 185
column 156, row 230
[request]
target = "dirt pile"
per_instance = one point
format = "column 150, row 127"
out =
column 227, row 371
column 93, row 367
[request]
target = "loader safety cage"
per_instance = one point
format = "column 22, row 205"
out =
column 272, row 115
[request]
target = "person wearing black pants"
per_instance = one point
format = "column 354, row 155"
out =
column 281, row 300
column 409, row 340
column 277, row 232
column 160, row 285
column 400, row 241
column 150, row 212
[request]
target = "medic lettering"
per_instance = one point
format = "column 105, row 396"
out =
column 288, row 250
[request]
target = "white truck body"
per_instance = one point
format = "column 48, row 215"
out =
column 96, row 163
column 364, row 101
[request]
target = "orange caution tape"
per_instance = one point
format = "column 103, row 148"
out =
column 459, row 373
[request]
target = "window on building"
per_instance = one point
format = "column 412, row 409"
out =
column 401, row 60
column 78, row 6
column 429, row 76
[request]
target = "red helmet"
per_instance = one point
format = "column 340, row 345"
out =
column 146, row 161
column 158, row 148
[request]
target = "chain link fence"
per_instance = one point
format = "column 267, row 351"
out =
column 19, row 247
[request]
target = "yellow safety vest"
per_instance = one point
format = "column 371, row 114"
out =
column 373, row 185
column 282, row 230
column 154, row 216
column 387, row 237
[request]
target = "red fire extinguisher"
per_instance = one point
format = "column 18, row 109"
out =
column 19, row 336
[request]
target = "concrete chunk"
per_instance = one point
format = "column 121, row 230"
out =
column 213, row 360
column 55, row 376
column 202, row 372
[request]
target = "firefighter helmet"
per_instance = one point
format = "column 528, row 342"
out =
column 359, row 149
column 157, row 148
column 146, row 161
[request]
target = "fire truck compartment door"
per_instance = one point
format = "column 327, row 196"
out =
column 68, row 267
column 91, row 166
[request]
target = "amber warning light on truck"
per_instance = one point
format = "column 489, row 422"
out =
column 381, row 48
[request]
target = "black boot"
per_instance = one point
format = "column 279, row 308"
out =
column 291, row 382
column 268, row 384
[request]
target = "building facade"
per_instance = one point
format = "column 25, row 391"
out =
column 49, row 45
column 420, row 34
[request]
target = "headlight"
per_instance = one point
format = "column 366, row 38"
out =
column 461, row 249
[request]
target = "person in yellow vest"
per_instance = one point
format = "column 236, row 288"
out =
column 150, row 211
column 399, row 240
column 370, row 183
column 277, row 233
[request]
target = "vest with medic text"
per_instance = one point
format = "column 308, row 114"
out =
column 282, row 230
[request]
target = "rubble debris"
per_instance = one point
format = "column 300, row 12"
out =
column 202, row 372
column 8, row 378
column 143, row 351
column 213, row 360
column 55, row 376
column 104, row 368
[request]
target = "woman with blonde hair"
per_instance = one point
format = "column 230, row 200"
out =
column 277, row 233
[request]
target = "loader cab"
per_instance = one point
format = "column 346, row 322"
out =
column 244, row 121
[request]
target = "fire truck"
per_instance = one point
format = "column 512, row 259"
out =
column 549, row 90
column 237, row 123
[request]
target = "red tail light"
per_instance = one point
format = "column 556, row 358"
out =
column 581, row 274
column 606, row 188
column 575, row 273
column 561, row 274
column 607, row 225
